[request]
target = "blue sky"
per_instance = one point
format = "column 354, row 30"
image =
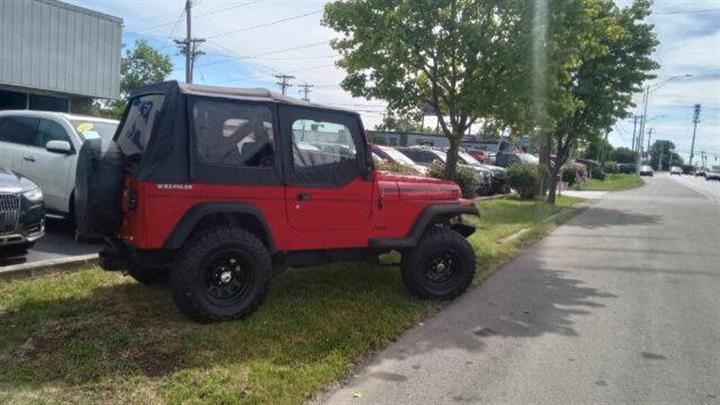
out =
column 247, row 46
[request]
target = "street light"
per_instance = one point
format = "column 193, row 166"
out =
column 646, row 98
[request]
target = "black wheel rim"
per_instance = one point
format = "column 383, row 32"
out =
column 228, row 278
column 442, row 269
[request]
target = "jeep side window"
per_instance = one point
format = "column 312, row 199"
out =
column 231, row 133
column 137, row 127
column 320, row 143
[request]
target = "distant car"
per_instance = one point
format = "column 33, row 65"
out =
column 505, row 159
column 499, row 174
column 22, row 213
column 626, row 168
column 426, row 156
column 392, row 155
column 676, row 170
column 646, row 170
column 713, row 173
column 595, row 169
column 43, row 146
column 701, row 171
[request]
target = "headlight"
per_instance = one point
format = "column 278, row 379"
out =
column 34, row 194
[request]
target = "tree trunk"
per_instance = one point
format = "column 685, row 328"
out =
column 560, row 156
column 553, row 181
column 452, row 156
column 545, row 141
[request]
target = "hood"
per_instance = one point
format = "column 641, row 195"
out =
column 406, row 187
column 11, row 182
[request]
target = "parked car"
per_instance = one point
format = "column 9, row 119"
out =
column 646, row 170
column 498, row 183
column 201, row 189
column 626, row 168
column 595, row 169
column 505, row 159
column 713, row 173
column 22, row 213
column 479, row 155
column 701, row 171
column 392, row 155
column 676, row 170
column 43, row 145
column 425, row 156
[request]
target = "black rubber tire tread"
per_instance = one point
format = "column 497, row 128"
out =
column 98, row 188
column 414, row 260
column 186, row 277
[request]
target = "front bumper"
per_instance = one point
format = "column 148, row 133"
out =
column 21, row 224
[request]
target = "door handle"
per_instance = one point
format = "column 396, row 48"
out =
column 29, row 158
column 304, row 197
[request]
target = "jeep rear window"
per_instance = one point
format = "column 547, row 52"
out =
column 137, row 127
column 232, row 133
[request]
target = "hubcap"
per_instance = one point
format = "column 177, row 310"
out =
column 440, row 268
column 228, row 278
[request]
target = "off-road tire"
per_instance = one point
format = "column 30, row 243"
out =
column 438, row 242
column 193, row 267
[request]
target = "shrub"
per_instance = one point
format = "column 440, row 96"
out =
column 466, row 178
column 612, row 167
column 394, row 167
column 525, row 178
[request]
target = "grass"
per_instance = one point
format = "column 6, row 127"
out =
column 92, row 336
column 613, row 182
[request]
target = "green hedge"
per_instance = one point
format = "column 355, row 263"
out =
column 525, row 178
column 465, row 177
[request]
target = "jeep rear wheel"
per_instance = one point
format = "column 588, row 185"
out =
column 441, row 266
column 221, row 274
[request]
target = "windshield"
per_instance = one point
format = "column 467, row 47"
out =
column 91, row 129
column 397, row 156
column 468, row 159
column 420, row 156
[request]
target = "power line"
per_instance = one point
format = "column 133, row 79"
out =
column 189, row 45
column 259, row 55
column 263, row 25
column 154, row 27
column 715, row 10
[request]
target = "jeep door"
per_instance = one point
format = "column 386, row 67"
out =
column 324, row 169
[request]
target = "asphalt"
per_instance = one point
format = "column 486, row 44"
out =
column 619, row 305
column 58, row 242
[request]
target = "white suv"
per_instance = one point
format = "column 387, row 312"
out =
column 43, row 145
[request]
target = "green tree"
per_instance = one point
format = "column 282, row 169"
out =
column 465, row 58
column 140, row 66
column 598, row 149
column 665, row 150
column 408, row 122
column 624, row 155
column 599, row 55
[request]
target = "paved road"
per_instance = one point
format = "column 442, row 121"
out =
column 58, row 242
column 619, row 305
column 710, row 188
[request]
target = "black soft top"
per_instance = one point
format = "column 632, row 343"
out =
column 170, row 155
column 256, row 94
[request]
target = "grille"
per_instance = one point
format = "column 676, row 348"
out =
column 9, row 213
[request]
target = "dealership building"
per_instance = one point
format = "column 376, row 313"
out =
column 57, row 57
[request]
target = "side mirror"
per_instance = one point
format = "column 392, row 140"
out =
column 63, row 147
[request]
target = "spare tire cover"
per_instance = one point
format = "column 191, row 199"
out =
column 98, row 188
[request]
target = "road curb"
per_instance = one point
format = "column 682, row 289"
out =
column 495, row 197
column 35, row 269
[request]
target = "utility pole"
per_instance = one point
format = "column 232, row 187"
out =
column 635, row 122
column 650, row 132
column 188, row 46
column 660, row 160
column 696, row 120
column 305, row 90
column 283, row 81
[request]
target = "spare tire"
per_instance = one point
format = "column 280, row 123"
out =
column 98, row 188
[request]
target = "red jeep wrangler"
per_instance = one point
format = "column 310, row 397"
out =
column 214, row 190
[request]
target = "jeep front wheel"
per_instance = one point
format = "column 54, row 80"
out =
column 221, row 274
column 441, row 266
